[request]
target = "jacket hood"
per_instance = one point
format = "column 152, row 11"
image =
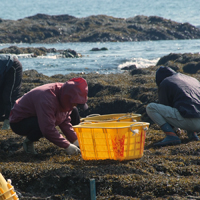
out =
column 162, row 73
column 74, row 91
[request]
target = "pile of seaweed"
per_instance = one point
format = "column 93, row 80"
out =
column 170, row 172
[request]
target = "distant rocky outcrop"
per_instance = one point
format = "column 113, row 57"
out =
column 29, row 50
column 43, row 28
column 40, row 51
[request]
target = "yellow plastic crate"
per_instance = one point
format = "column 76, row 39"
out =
column 111, row 140
column 119, row 117
column 7, row 190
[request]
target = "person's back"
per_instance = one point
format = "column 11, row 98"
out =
column 182, row 92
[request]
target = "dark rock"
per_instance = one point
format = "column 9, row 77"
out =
column 172, row 65
column 191, row 67
column 34, row 52
column 130, row 67
column 69, row 53
column 138, row 71
column 43, row 28
column 171, row 57
column 104, row 49
column 101, row 49
column 29, row 50
column 187, row 62
column 33, row 74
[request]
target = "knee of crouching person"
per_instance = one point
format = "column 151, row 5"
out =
column 150, row 107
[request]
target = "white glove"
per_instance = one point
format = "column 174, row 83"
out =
column 6, row 124
column 76, row 143
column 72, row 149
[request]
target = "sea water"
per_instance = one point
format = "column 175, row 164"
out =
column 119, row 54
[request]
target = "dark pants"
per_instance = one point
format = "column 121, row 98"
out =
column 75, row 117
column 10, row 89
column 30, row 127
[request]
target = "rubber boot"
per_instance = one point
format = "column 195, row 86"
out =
column 192, row 136
column 171, row 137
column 169, row 140
column 29, row 147
column 6, row 125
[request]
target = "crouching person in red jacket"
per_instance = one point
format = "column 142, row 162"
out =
column 39, row 111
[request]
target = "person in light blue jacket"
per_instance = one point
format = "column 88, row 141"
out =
column 178, row 107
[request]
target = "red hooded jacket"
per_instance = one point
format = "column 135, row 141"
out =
column 52, row 104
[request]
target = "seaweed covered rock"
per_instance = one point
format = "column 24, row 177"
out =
column 69, row 53
column 27, row 50
column 43, row 28
column 170, row 172
column 40, row 51
column 187, row 62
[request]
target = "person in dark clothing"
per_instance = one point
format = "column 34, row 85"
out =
column 75, row 116
column 10, row 86
column 178, row 107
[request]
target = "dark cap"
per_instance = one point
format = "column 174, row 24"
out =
column 83, row 106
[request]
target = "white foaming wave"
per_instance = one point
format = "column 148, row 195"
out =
column 140, row 63
column 48, row 56
column 27, row 55
column 42, row 56
column 31, row 55
column 51, row 56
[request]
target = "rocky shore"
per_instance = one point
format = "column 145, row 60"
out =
column 43, row 28
column 162, row 173
column 41, row 51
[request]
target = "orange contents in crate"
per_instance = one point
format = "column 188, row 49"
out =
column 118, row 146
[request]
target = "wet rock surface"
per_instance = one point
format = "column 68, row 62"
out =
column 43, row 28
column 162, row 173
